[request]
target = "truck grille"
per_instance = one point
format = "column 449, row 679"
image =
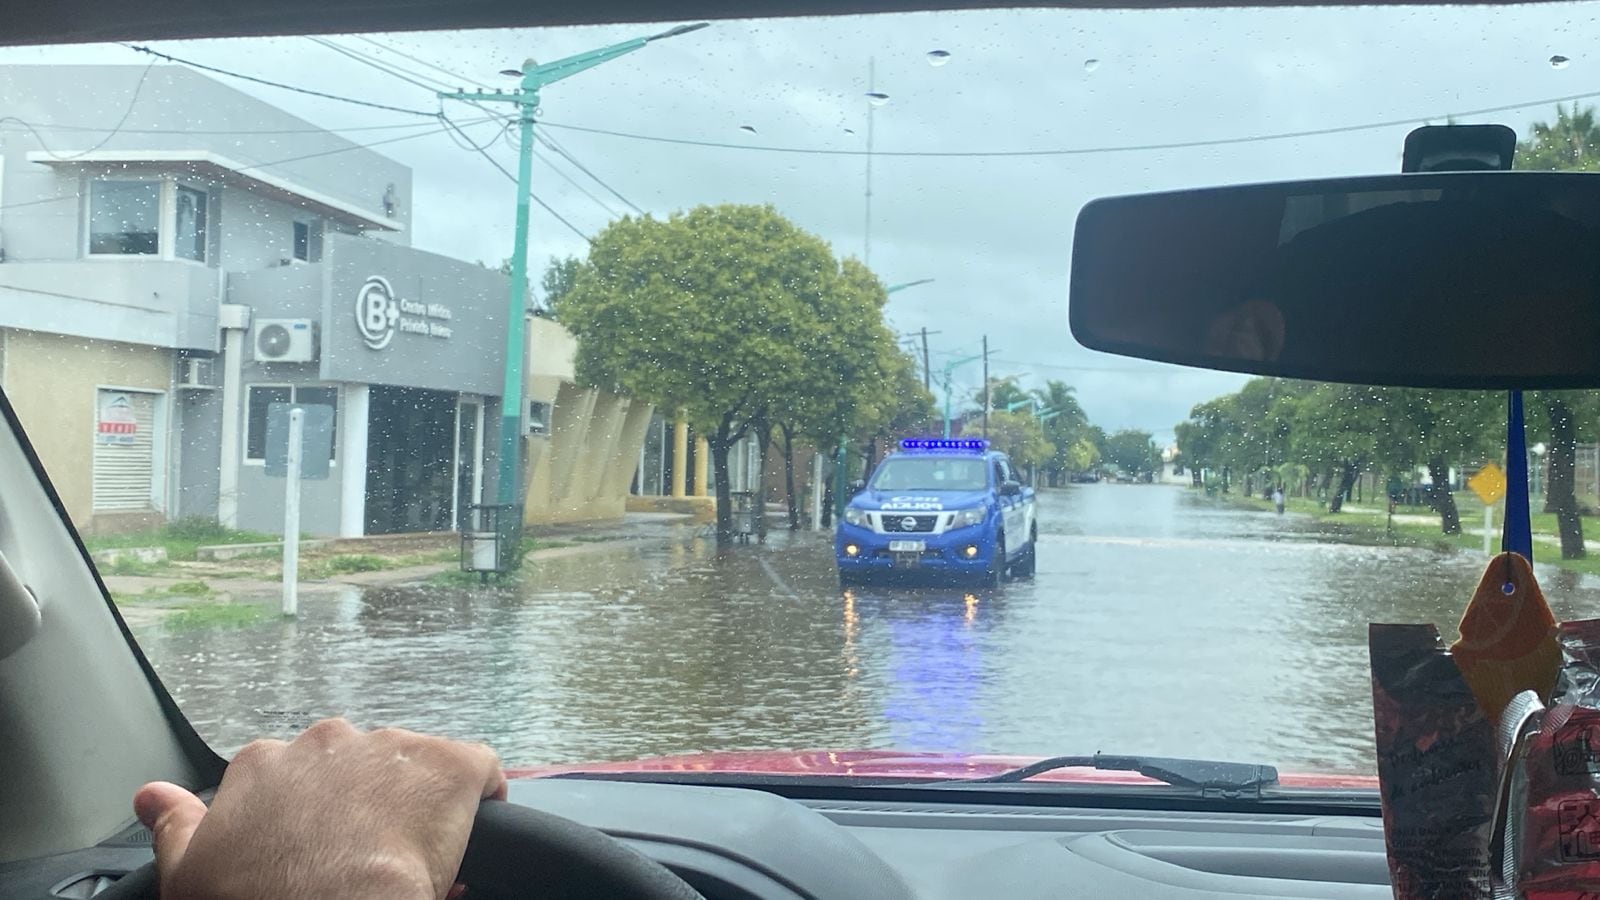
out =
column 899, row 523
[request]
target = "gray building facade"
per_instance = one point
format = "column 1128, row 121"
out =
column 162, row 284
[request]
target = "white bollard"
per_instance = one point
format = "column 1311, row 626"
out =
column 1488, row 528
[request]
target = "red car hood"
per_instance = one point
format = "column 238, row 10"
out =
column 889, row 764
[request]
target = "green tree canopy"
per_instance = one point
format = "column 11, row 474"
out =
column 730, row 313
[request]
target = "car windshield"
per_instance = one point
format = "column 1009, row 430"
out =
column 937, row 473
column 560, row 349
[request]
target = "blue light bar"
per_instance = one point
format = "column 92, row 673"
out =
column 972, row 445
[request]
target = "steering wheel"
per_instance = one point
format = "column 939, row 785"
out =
column 516, row 851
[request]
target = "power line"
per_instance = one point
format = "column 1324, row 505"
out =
column 567, row 155
column 574, row 182
column 381, row 66
column 279, row 84
column 115, row 129
column 392, row 126
column 420, row 61
column 1073, row 151
column 275, row 162
column 504, row 171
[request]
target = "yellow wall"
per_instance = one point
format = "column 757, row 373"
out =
column 51, row 380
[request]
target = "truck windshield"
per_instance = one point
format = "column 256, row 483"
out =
column 931, row 474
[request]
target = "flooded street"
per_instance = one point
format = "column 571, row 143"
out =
column 1159, row 622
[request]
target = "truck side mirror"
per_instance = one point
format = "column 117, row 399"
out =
column 1010, row 488
column 857, row 486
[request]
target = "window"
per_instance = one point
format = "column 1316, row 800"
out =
column 124, row 217
column 189, row 238
column 262, row 397
column 302, row 241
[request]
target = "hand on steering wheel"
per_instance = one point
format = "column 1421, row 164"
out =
column 338, row 812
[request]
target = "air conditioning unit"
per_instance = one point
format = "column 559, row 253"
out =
column 285, row 340
column 197, row 373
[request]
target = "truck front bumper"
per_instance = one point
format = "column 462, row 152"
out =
column 964, row 552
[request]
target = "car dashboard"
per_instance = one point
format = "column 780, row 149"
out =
column 744, row 844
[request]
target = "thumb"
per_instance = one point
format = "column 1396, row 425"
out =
column 172, row 814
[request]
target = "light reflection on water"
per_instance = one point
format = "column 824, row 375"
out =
column 1158, row 623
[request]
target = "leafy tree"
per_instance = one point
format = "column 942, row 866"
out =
column 1065, row 429
column 1134, row 452
column 1020, row 436
column 1082, row 456
column 1435, row 428
column 559, row 276
column 1002, row 393
column 727, row 312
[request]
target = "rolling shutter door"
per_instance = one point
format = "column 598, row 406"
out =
column 124, row 451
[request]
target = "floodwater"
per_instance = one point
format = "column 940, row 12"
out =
column 1159, row 623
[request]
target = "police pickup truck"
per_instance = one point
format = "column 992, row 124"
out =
column 939, row 507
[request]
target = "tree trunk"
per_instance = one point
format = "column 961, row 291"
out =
column 1559, row 496
column 788, row 478
column 719, row 463
column 1440, row 498
column 1347, row 479
column 763, row 430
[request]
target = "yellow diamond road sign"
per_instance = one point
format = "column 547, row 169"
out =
column 1489, row 484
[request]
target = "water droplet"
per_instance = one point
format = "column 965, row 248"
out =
column 749, row 128
column 1559, row 62
column 938, row 58
column 1089, row 65
column 877, row 98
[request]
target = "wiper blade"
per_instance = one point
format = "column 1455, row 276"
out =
column 1227, row 779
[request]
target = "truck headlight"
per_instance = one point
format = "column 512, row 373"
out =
column 857, row 517
column 973, row 516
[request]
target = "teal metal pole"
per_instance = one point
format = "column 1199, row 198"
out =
column 510, row 471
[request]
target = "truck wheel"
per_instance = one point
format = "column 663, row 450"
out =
column 1030, row 560
column 997, row 569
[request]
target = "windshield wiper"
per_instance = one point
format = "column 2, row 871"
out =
column 1210, row 777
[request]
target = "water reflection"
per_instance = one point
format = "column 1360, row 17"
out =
column 1159, row 622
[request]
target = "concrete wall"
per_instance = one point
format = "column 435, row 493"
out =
column 51, row 381
column 198, row 451
column 580, row 472
column 165, row 303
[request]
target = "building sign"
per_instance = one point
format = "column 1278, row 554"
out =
column 380, row 314
column 404, row 317
column 116, row 423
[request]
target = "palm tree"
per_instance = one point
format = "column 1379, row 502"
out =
column 1570, row 144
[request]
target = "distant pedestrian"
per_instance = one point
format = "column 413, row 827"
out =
column 1277, row 499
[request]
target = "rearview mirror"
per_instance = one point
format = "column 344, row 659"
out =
column 1464, row 280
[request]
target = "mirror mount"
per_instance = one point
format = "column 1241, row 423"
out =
column 1459, row 148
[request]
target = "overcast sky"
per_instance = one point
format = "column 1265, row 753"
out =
column 994, row 233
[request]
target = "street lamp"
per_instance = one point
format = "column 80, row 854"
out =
column 526, row 98
column 945, row 374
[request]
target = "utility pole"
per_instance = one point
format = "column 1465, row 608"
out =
column 927, row 374
column 986, row 387
column 526, row 99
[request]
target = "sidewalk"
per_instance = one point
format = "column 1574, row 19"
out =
column 209, row 587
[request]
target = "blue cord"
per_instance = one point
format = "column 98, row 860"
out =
column 1516, row 535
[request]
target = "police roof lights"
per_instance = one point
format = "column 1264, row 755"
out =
column 970, row 445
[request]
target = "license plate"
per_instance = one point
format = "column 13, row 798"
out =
column 907, row 546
